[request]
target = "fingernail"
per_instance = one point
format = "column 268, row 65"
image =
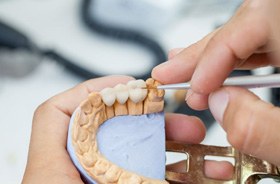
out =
column 218, row 102
column 159, row 70
column 188, row 95
column 196, row 79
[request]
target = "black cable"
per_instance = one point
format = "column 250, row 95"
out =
column 71, row 66
column 12, row 38
column 123, row 34
column 113, row 32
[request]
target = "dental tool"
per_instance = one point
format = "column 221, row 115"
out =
column 250, row 81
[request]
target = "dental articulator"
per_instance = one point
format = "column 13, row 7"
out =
column 247, row 169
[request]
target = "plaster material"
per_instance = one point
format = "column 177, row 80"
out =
column 135, row 143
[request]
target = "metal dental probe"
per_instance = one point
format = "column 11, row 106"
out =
column 250, row 81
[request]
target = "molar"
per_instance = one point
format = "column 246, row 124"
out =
column 121, row 92
column 136, row 91
column 113, row 173
column 108, row 96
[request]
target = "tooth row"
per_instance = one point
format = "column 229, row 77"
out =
column 133, row 90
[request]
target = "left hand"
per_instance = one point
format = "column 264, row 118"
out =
column 48, row 159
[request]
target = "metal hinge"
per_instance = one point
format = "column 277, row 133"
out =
column 247, row 169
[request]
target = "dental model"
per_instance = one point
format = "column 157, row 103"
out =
column 106, row 117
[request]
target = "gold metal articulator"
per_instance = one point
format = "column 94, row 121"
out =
column 247, row 169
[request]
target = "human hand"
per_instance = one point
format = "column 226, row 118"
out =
column 48, row 159
column 250, row 39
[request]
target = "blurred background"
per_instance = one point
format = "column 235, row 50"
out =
column 49, row 46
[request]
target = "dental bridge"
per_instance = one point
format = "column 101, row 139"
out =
column 139, row 97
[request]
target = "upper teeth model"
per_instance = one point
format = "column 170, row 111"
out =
column 130, row 99
column 133, row 90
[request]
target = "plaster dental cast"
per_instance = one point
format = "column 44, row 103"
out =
column 130, row 144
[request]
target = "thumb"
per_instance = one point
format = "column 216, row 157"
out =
column 252, row 125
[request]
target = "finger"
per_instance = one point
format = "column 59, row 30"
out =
column 219, row 170
column 235, row 42
column 252, row 125
column 183, row 64
column 222, row 170
column 183, row 128
column 180, row 67
column 197, row 101
column 173, row 52
column 256, row 61
column 51, row 119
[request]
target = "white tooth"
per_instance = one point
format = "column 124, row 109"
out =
column 136, row 95
column 136, row 91
column 136, row 84
column 121, row 91
column 108, row 96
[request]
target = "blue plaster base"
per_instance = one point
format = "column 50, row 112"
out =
column 135, row 143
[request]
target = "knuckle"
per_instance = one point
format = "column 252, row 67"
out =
column 241, row 134
column 173, row 52
column 237, row 134
column 41, row 109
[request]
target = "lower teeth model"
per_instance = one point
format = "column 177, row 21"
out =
column 117, row 135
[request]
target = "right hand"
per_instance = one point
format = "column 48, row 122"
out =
column 250, row 39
